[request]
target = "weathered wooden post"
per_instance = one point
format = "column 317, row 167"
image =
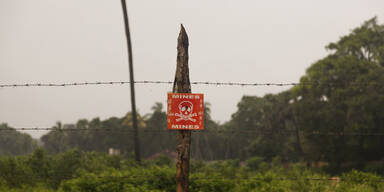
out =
column 182, row 85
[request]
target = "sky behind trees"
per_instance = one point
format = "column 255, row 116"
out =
column 77, row 41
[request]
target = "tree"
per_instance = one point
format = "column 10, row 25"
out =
column 365, row 43
column 13, row 142
column 208, row 144
column 155, row 137
column 343, row 94
column 263, row 126
column 94, row 135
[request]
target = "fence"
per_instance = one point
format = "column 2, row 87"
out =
column 207, row 83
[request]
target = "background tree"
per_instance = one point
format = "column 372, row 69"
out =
column 263, row 126
column 155, row 137
column 13, row 142
column 343, row 94
column 208, row 144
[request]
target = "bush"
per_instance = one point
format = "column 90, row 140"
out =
column 15, row 172
column 161, row 160
column 377, row 168
column 255, row 163
column 75, row 171
column 144, row 179
column 360, row 181
column 200, row 182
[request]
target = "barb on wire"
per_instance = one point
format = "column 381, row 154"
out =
column 315, row 83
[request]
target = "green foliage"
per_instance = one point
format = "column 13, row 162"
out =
column 365, row 43
column 353, row 104
column 255, row 163
column 375, row 167
column 14, row 142
column 14, row 172
column 360, row 181
column 75, row 171
column 201, row 183
column 369, row 180
column 153, row 178
column 162, row 160
column 153, row 143
column 27, row 188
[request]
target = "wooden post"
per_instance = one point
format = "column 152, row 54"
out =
column 136, row 141
column 182, row 85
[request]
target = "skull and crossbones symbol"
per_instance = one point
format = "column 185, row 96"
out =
column 186, row 109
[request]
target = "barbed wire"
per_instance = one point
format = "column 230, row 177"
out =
column 155, row 131
column 315, row 83
column 111, row 178
column 338, row 179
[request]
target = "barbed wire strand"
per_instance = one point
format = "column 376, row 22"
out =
column 315, row 83
column 338, row 179
column 249, row 179
column 155, row 131
column 193, row 178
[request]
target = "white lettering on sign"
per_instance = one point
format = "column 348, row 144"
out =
column 185, row 97
column 185, row 127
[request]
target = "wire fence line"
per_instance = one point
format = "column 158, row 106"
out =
column 334, row 179
column 241, row 84
column 155, row 131
column 285, row 132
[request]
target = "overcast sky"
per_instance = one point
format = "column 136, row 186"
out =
column 57, row 41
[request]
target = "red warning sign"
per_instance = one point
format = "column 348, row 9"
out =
column 185, row 111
